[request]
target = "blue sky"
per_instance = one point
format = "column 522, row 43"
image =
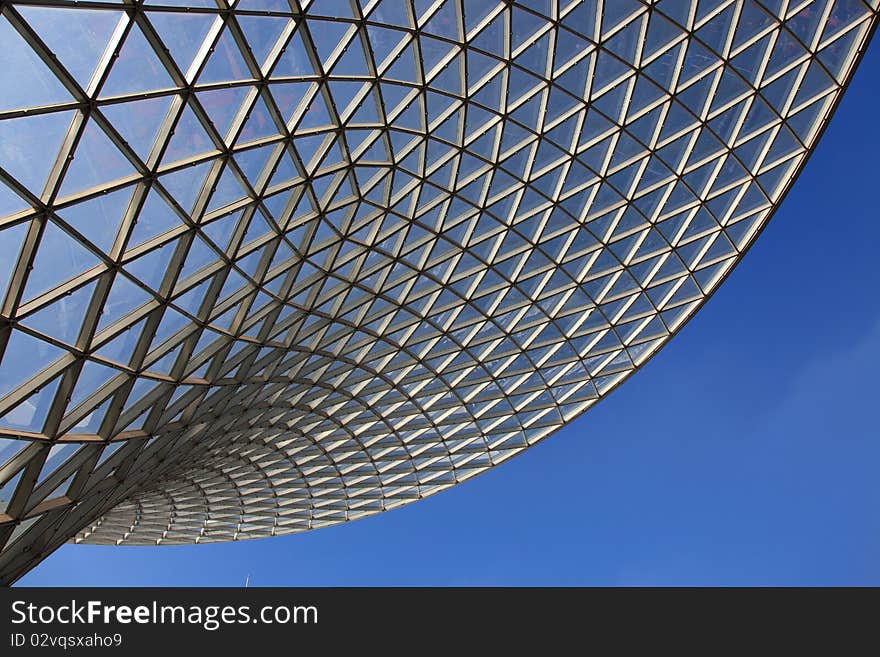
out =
column 745, row 453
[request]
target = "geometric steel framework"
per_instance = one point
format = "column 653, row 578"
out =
column 271, row 265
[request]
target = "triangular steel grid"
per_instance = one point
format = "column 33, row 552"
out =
column 270, row 265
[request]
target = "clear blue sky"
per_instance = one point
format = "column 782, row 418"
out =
column 745, row 453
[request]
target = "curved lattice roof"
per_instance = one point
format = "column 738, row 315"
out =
column 273, row 265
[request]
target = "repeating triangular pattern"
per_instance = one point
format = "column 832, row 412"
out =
column 271, row 265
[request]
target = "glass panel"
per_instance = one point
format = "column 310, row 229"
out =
column 21, row 137
column 95, row 162
column 59, row 258
column 25, row 80
column 24, row 357
column 77, row 36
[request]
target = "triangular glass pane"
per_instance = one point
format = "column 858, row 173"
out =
column 327, row 36
column 155, row 218
column 124, row 297
column 352, row 61
column 150, row 269
column 192, row 299
column 10, row 245
column 62, row 318
column 289, row 95
column 182, row 33
column 95, row 161
column 226, row 63
column 8, row 449
column 10, row 202
column 137, row 68
column 189, row 140
column 30, row 414
column 172, row 321
column 294, row 61
column 138, row 122
column 25, row 80
column 185, row 185
column 221, row 230
column 253, row 161
column 24, row 357
column 92, row 421
column 121, row 348
column 262, row 33
column 7, row 492
column 98, row 218
column 227, row 190
column 91, row 377
column 222, row 105
column 78, row 36
column 200, row 255
column 61, row 488
column 259, row 123
column 59, row 258
column 21, row 138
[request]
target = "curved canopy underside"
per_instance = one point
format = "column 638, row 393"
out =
column 273, row 265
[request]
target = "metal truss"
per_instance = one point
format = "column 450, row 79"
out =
column 272, row 265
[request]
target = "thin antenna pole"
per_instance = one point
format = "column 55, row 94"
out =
column 247, row 581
